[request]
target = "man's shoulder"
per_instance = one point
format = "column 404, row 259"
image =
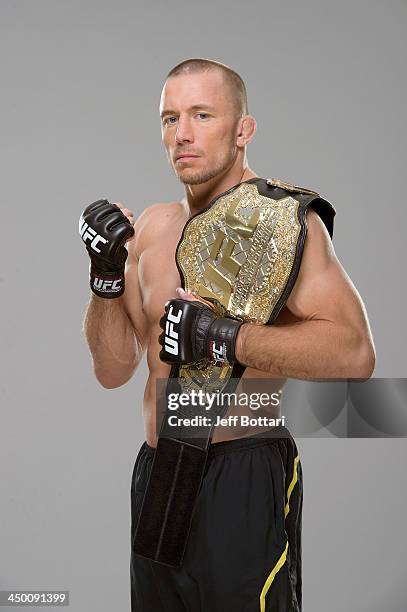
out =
column 160, row 209
column 310, row 201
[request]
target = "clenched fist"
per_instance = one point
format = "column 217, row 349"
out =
column 105, row 228
column 193, row 332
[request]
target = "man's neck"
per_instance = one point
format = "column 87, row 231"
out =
column 197, row 197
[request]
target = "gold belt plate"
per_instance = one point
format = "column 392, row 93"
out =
column 239, row 255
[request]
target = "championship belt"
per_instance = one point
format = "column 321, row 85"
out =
column 243, row 254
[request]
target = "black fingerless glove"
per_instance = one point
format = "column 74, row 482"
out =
column 104, row 229
column 192, row 332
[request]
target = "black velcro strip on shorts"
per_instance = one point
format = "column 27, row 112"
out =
column 169, row 501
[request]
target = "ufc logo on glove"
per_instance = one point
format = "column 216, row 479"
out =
column 171, row 336
column 87, row 233
column 106, row 285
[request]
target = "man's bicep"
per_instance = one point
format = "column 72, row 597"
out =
column 323, row 290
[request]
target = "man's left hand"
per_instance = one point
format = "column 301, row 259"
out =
column 192, row 332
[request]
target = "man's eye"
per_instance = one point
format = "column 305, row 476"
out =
column 203, row 115
column 170, row 120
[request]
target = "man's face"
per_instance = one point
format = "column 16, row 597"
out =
column 199, row 126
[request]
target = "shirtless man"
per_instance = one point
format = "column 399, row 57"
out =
column 322, row 332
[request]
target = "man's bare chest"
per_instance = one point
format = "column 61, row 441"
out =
column 158, row 275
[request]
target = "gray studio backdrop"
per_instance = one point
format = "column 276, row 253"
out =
column 80, row 85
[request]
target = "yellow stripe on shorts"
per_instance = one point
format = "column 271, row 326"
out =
column 291, row 487
column 283, row 557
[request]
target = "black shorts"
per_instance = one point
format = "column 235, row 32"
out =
column 244, row 548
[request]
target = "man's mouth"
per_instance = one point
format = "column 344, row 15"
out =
column 186, row 157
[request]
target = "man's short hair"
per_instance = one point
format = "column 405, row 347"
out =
column 234, row 80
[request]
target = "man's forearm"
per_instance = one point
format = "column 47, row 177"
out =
column 115, row 348
column 306, row 350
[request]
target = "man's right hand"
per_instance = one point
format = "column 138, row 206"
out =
column 104, row 229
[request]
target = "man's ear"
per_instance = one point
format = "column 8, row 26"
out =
column 246, row 130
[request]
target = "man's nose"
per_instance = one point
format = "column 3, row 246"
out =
column 183, row 132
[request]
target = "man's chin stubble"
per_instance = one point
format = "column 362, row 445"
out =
column 196, row 179
column 199, row 178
